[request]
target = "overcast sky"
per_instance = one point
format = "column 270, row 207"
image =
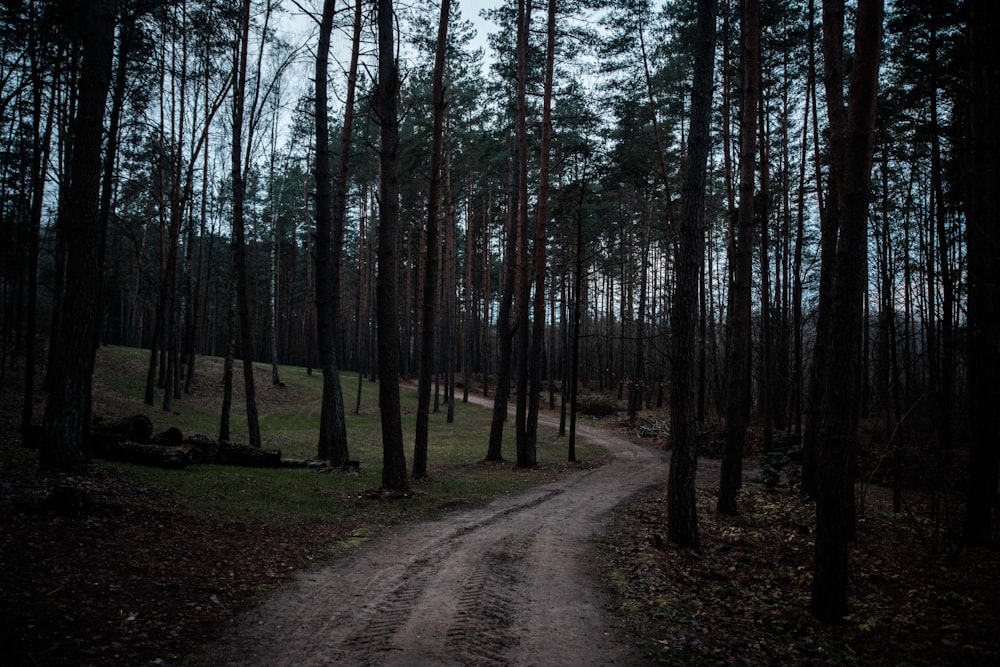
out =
column 470, row 12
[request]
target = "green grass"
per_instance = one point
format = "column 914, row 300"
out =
column 289, row 421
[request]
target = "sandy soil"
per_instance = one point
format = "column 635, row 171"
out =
column 511, row 583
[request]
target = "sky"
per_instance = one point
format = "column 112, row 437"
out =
column 299, row 27
column 470, row 12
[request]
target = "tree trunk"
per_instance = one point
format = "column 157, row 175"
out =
column 448, row 297
column 762, row 214
column 229, row 358
column 983, row 237
column 393, row 457
column 275, row 273
column 239, row 234
column 816, row 380
column 524, row 450
column 332, row 445
column 797, row 370
column 737, row 394
column 682, row 515
column 505, row 335
column 67, row 414
column 579, row 299
column 536, row 358
column 430, row 273
column 39, row 157
column 636, row 387
column 469, row 328
column 945, row 375
column 853, row 128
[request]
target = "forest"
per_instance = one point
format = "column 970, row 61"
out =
column 775, row 217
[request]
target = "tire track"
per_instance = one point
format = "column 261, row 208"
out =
column 482, row 631
column 383, row 617
column 508, row 583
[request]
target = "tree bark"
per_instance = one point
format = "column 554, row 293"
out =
column 682, row 515
column 816, row 381
column 430, row 274
column 525, row 452
column 853, row 128
column 636, row 388
column 67, row 414
column 505, row 334
column 536, row 357
column 737, row 392
column 239, row 233
column 39, row 157
column 983, row 238
column 332, row 445
column 393, row 457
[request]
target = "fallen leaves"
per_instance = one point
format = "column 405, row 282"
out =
column 123, row 583
column 744, row 599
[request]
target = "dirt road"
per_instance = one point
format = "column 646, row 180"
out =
column 511, row 583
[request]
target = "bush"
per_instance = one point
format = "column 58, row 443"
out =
column 597, row 405
column 781, row 463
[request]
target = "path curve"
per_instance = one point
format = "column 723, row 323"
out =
column 511, row 583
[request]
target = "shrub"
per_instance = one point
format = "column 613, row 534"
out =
column 597, row 405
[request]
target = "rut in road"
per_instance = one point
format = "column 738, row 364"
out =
column 510, row 583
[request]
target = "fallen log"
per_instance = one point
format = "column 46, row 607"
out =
column 161, row 456
column 131, row 439
column 229, row 453
column 207, row 448
column 172, row 436
column 137, row 428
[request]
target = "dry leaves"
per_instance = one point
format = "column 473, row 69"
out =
column 744, row 599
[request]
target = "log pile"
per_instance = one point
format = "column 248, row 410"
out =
column 132, row 440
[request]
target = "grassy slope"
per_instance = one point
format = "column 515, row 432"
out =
column 289, row 421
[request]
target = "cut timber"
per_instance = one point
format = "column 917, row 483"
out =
column 172, row 436
column 137, row 428
column 145, row 454
column 241, row 455
column 132, row 440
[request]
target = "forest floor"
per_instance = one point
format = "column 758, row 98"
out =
column 576, row 571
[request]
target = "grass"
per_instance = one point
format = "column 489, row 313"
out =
column 289, row 421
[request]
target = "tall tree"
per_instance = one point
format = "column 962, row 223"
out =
column 817, row 380
column 852, row 131
column 179, row 114
column 393, row 456
column 239, row 252
column 430, row 274
column 68, row 411
column 524, row 449
column 983, row 239
column 505, row 332
column 536, row 358
column 738, row 341
column 39, row 156
column 333, row 426
column 682, row 515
